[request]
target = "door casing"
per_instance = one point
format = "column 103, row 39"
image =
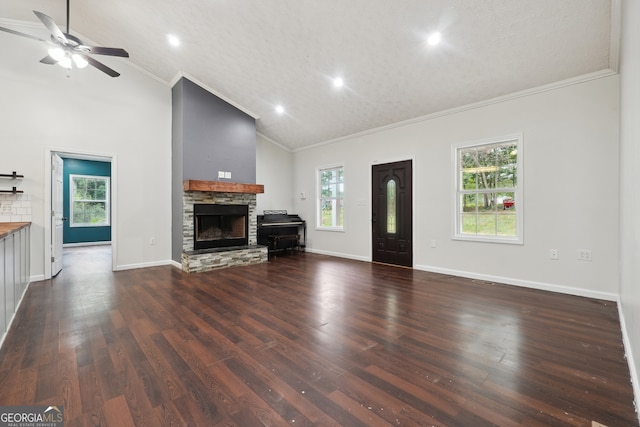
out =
column 87, row 155
column 379, row 238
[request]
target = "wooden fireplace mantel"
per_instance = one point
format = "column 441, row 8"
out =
column 222, row 187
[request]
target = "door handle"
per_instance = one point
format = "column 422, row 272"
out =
column 64, row 218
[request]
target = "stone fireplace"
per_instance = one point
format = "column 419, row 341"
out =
column 219, row 226
column 211, row 140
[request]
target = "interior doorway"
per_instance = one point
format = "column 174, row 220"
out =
column 392, row 213
column 81, row 259
column 58, row 214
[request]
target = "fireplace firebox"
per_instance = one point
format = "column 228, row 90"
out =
column 220, row 226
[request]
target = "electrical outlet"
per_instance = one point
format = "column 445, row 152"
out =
column 584, row 254
column 433, row 243
column 152, row 241
column 554, row 254
column 227, row 175
column 220, row 174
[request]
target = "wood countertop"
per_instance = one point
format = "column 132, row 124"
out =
column 7, row 228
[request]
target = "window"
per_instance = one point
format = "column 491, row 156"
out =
column 391, row 206
column 89, row 200
column 331, row 199
column 488, row 190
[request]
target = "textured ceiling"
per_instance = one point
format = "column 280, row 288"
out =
column 261, row 53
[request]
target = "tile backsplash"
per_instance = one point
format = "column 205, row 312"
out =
column 15, row 208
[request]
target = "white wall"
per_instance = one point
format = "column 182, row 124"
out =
column 127, row 118
column 629, row 183
column 274, row 166
column 570, row 189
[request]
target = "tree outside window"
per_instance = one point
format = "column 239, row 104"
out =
column 89, row 201
column 488, row 199
column 331, row 200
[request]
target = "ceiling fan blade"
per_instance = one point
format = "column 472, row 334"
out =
column 51, row 26
column 100, row 66
column 18, row 33
column 48, row 60
column 111, row 51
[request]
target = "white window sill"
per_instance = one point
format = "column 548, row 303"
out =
column 487, row 239
column 334, row 229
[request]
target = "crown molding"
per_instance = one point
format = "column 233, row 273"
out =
column 277, row 144
column 528, row 92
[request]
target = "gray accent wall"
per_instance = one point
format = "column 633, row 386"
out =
column 216, row 136
column 208, row 135
column 176, row 171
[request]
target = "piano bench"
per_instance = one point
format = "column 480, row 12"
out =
column 275, row 238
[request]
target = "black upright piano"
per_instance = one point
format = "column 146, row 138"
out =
column 279, row 231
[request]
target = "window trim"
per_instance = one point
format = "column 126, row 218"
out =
column 107, row 201
column 318, row 213
column 518, row 239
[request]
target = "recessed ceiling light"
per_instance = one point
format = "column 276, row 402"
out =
column 279, row 109
column 173, row 40
column 338, row 82
column 434, row 39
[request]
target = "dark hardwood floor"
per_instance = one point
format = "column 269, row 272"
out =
column 311, row 340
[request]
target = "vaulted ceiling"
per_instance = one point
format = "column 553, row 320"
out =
column 261, row 54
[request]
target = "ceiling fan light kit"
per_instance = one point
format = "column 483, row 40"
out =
column 56, row 53
column 67, row 49
column 64, row 58
column 79, row 61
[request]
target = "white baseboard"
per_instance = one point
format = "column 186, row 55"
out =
column 38, row 278
column 635, row 381
column 74, row 245
column 523, row 283
column 142, row 265
column 337, row 254
column 607, row 296
column 176, row 264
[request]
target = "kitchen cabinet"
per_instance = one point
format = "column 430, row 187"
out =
column 14, row 270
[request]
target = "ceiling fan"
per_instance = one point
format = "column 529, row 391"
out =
column 67, row 49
